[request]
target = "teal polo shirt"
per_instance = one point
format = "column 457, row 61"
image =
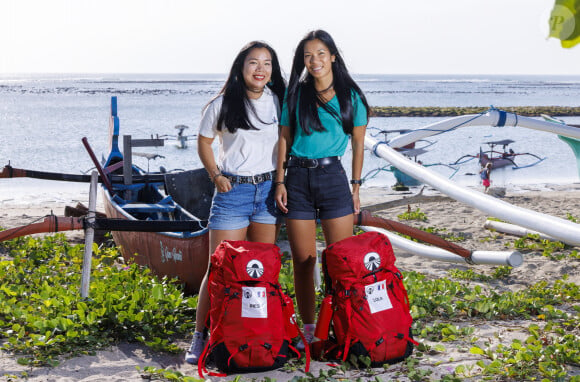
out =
column 329, row 143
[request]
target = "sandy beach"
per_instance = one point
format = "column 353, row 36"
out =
column 32, row 200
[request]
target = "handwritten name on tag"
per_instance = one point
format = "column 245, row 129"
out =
column 377, row 297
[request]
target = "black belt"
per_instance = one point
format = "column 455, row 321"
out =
column 252, row 179
column 311, row 163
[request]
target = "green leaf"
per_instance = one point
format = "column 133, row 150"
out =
column 157, row 292
column 476, row 350
column 23, row 361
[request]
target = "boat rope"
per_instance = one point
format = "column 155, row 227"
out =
column 451, row 128
column 377, row 145
column 501, row 122
column 502, row 117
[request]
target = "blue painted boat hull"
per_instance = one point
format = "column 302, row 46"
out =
column 403, row 178
column 575, row 145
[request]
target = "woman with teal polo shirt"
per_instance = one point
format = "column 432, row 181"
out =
column 323, row 109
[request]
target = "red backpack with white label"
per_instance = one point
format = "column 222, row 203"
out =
column 252, row 322
column 370, row 308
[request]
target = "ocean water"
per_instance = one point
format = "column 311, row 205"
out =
column 44, row 117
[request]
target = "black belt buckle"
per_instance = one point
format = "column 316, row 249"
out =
column 309, row 163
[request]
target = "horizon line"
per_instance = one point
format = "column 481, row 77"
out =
column 225, row 74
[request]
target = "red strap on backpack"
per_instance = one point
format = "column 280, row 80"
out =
column 207, row 349
column 404, row 299
column 349, row 332
column 287, row 302
column 306, row 349
column 201, row 364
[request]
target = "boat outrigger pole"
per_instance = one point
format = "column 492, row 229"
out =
column 10, row 172
column 492, row 117
column 53, row 224
column 366, row 219
column 513, row 258
column 563, row 230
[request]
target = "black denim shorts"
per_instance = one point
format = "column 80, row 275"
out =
column 318, row 193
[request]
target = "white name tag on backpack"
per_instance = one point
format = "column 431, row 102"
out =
column 377, row 296
column 254, row 302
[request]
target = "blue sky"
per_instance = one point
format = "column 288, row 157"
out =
column 203, row 36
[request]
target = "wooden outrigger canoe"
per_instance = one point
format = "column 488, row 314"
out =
column 173, row 254
column 499, row 159
column 496, row 158
column 158, row 219
column 186, row 196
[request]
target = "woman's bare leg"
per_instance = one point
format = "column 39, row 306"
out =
column 262, row 233
column 302, row 237
column 337, row 229
column 215, row 238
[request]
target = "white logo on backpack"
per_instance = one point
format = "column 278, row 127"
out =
column 377, row 297
column 254, row 302
column 255, row 269
column 372, row 261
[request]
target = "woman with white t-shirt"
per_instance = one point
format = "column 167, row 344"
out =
column 244, row 116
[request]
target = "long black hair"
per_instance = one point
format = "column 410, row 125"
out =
column 301, row 90
column 234, row 110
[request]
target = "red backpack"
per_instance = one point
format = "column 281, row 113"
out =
column 370, row 307
column 252, row 322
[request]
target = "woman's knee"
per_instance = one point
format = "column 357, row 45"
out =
column 303, row 262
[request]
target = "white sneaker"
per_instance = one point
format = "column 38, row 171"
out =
column 197, row 345
column 308, row 335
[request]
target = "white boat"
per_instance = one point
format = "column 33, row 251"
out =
column 561, row 229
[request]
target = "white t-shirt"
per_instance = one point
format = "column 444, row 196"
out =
column 246, row 152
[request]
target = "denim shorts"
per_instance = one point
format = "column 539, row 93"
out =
column 318, row 193
column 243, row 204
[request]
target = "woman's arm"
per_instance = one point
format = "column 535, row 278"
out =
column 207, row 158
column 358, row 148
column 284, row 145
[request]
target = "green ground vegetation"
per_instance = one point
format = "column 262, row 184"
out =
column 43, row 318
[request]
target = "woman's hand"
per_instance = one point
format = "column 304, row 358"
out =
column 222, row 184
column 281, row 197
column 284, row 144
